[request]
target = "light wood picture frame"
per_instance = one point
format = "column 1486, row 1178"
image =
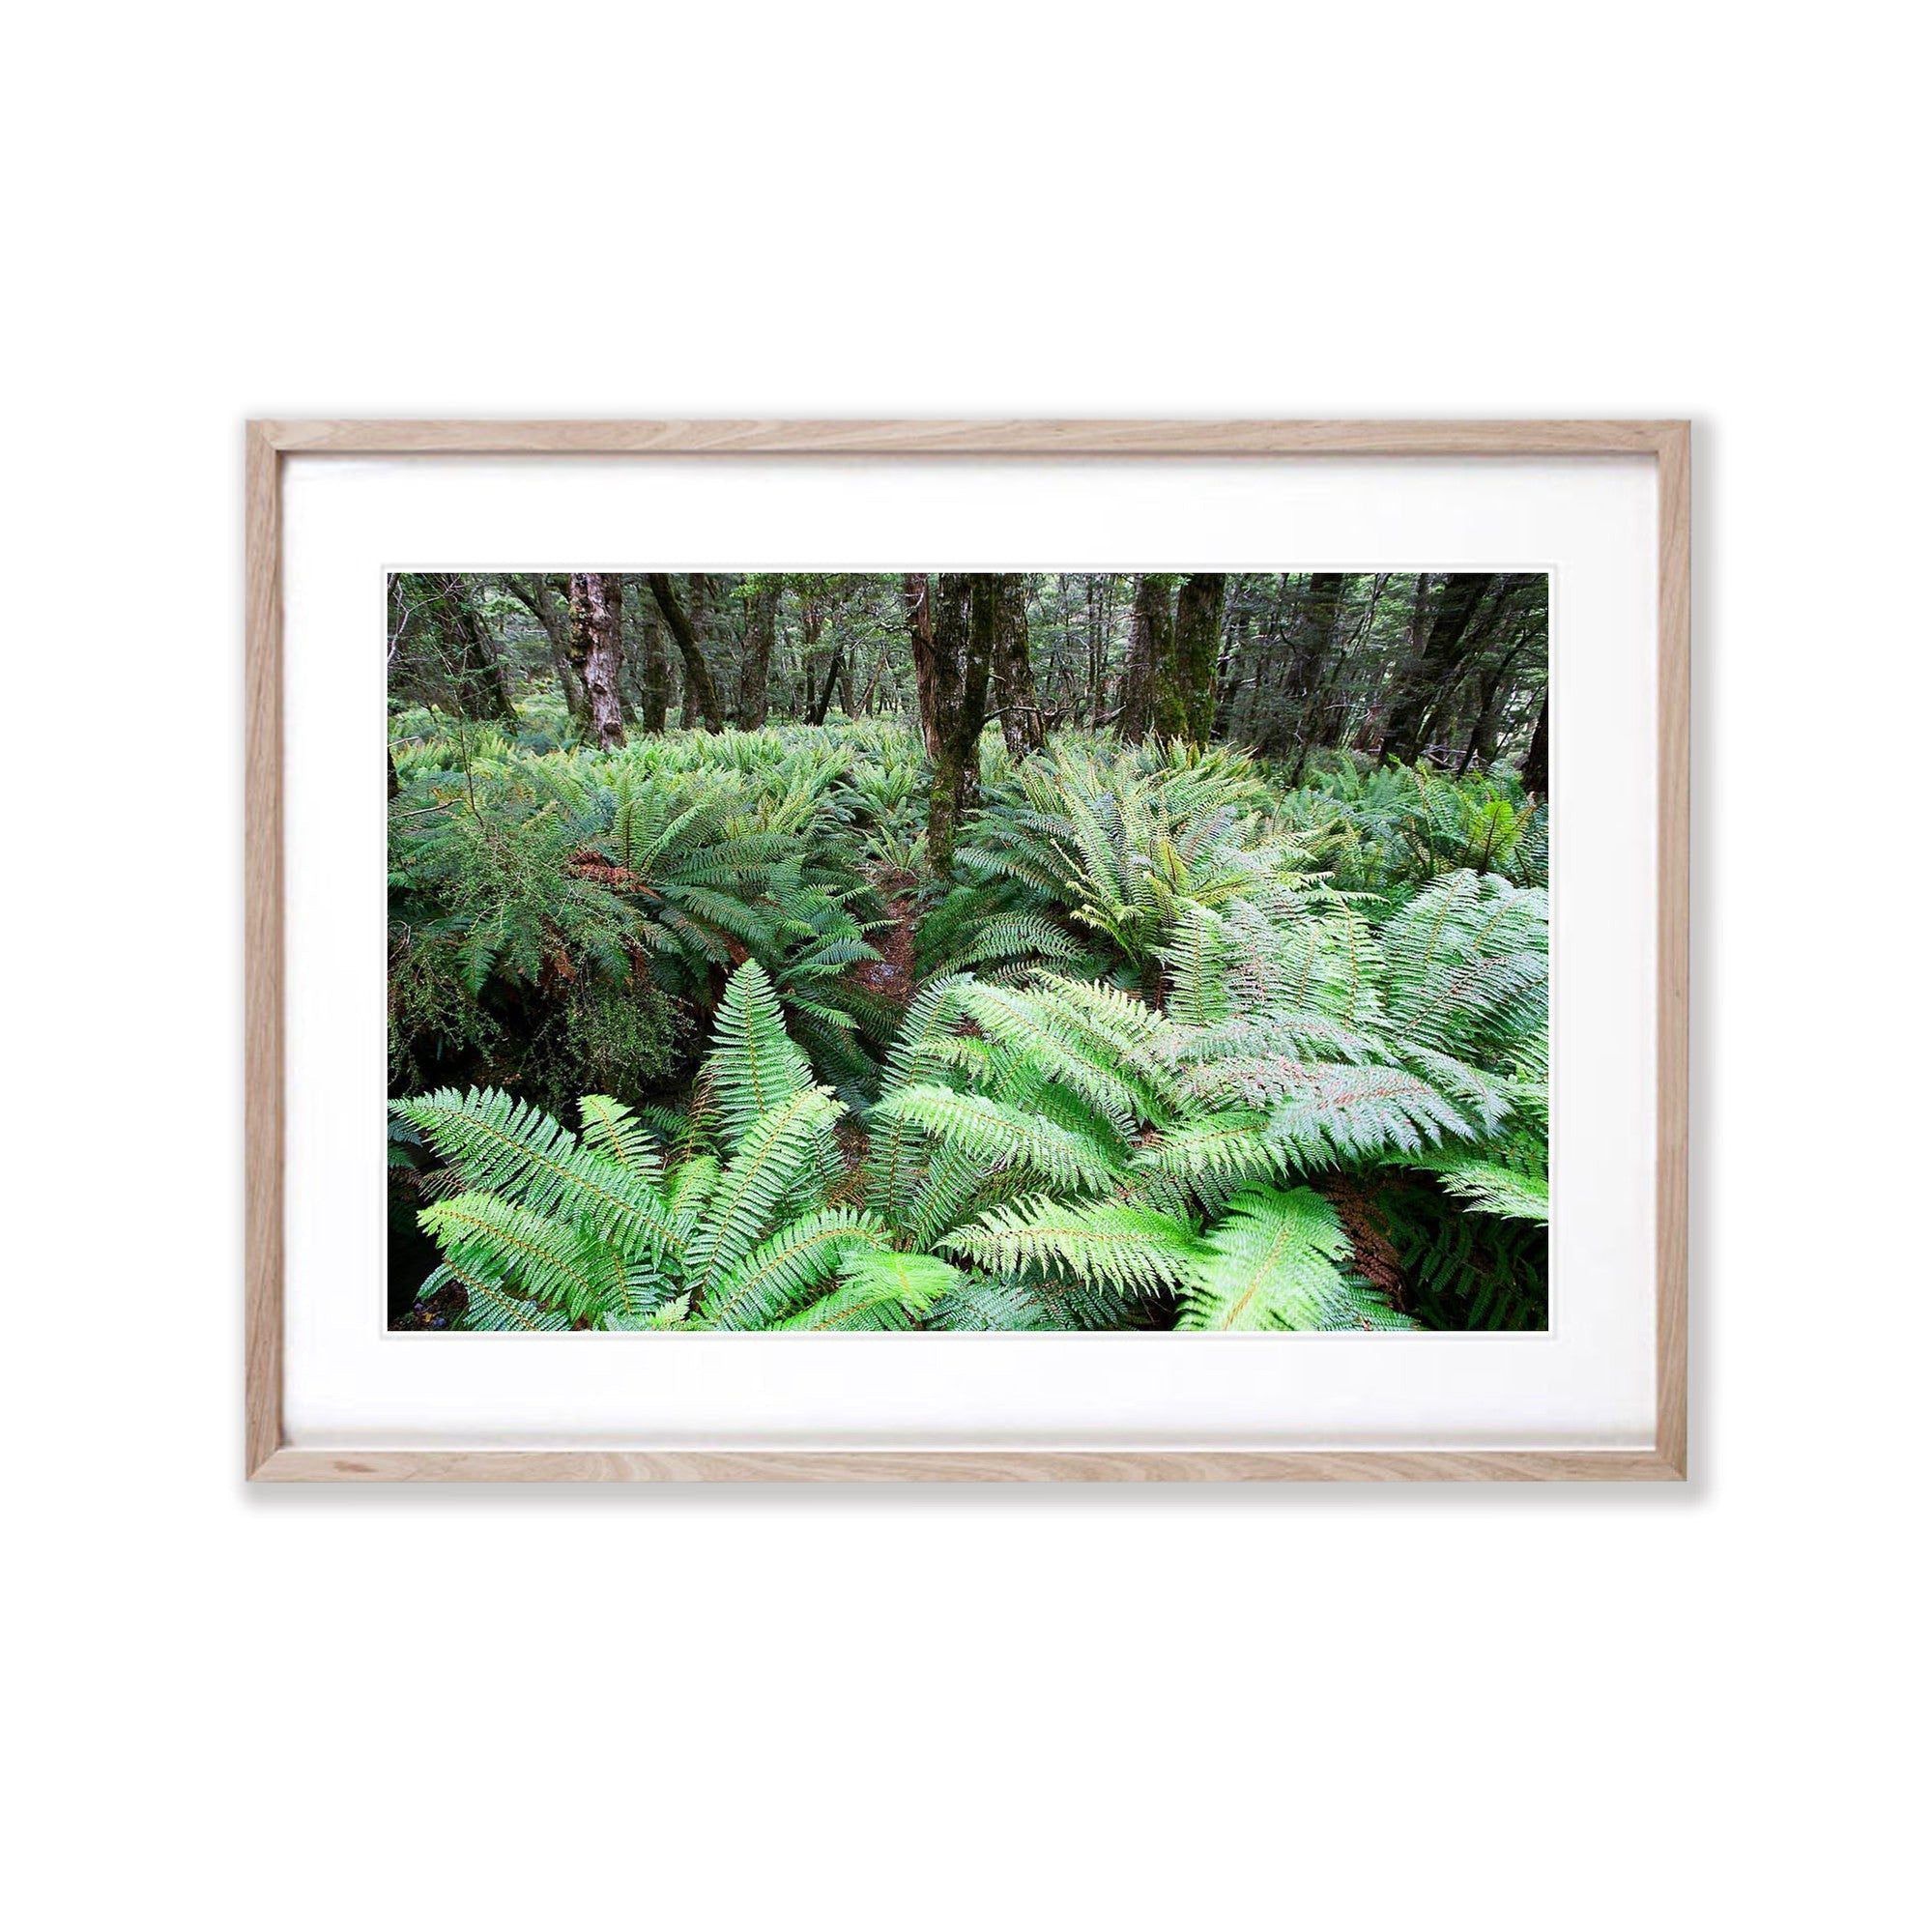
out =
column 269, row 1455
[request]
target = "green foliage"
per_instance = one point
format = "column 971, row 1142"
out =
column 1393, row 827
column 1164, row 1011
column 537, row 1222
column 1112, row 845
column 1277, row 1262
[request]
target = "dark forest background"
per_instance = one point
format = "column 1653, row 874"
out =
column 1450, row 668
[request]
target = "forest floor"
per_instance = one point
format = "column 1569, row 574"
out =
column 892, row 976
column 891, row 973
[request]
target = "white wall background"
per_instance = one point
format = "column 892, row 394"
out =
column 1491, row 1708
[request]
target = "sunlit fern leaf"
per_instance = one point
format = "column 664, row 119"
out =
column 1022, row 1021
column 1104, row 1241
column 1274, row 1262
column 1001, row 1135
column 489, row 1305
column 690, row 1185
column 502, row 1145
column 1324, row 1113
column 881, row 1290
column 784, row 1160
column 1197, row 972
column 1116, row 1031
column 1490, row 1186
column 554, row 1262
column 777, row 1275
column 1225, row 1148
column 1468, row 966
column 615, row 1130
column 754, row 1067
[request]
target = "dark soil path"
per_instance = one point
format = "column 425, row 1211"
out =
column 891, row 973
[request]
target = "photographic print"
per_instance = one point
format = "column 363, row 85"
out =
column 925, row 952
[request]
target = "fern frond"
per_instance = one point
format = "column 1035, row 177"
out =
column 614, row 1130
column 503, row 1146
column 1490, row 1186
column 1124, row 1247
column 777, row 1275
column 1000, row 1134
column 542, row 1261
column 881, row 1290
column 1274, row 1263
column 755, row 1068
column 1326, row 1114
column 784, row 1152
column 489, row 1305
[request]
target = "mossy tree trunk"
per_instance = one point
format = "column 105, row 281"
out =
column 1535, row 766
column 653, row 670
column 533, row 594
column 701, row 697
column 1021, row 723
column 1313, row 661
column 596, row 649
column 965, row 629
column 477, row 668
column 1197, row 613
column 755, row 679
column 915, row 593
column 1150, row 698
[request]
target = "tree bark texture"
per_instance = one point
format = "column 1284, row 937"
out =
column 596, row 647
column 965, row 624
column 1150, row 701
column 914, row 591
column 701, row 696
column 534, row 595
column 1197, row 613
column 1447, row 645
column 480, row 670
column 755, row 680
column 1535, row 766
column 1020, row 721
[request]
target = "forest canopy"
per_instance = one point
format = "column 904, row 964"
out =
column 941, row 950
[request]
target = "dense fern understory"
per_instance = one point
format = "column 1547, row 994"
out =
column 1178, row 1047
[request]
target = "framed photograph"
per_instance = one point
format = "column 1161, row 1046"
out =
column 968, row 951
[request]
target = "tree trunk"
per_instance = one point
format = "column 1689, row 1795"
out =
column 701, row 698
column 654, row 670
column 1491, row 690
column 699, row 605
column 1020, row 720
column 1535, row 766
column 534, row 595
column 822, row 702
column 1197, row 651
column 1445, row 647
column 915, row 593
column 966, row 624
column 755, row 680
column 1096, row 651
column 596, row 646
column 478, row 669
column 1151, row 699
column 1313, row 654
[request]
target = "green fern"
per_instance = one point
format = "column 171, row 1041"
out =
column 1275, row 1262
